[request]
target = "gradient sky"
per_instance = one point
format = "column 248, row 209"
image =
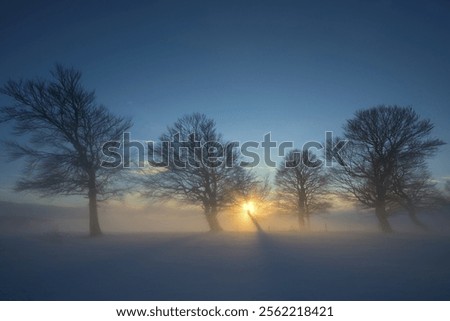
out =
column 295, row 68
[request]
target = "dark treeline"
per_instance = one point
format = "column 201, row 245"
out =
column 384, row 161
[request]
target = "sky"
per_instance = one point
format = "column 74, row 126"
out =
column 293, row 68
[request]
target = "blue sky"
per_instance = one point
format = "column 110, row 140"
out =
column 294, row 68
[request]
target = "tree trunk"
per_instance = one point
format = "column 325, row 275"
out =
column 211, row 218
column 213, row 222
column 301, row 211
column 301, row 221
column 380, row 212
column 94, row 226
column 308, row 221
column 413, row 217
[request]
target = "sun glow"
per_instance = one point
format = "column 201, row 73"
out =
column 249, row 207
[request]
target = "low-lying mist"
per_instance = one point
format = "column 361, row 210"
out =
column 18, row 218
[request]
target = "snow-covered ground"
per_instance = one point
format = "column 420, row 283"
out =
column 150, row 254
column 225, row 266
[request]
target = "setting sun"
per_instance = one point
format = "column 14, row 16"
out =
column 249, row 207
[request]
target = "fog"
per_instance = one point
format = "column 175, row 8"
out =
column 18, row 219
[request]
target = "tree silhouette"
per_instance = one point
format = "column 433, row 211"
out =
column 200, row 169
column 300, row 186
column 413, row 189
column 66, row 130
column 383, row 140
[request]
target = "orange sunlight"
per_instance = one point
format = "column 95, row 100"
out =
column 249, row 207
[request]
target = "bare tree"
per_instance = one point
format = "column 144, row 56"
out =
column 66, row 130
column 300, row 186
column 381, row 141
column 198, row 167
column 413, row 189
